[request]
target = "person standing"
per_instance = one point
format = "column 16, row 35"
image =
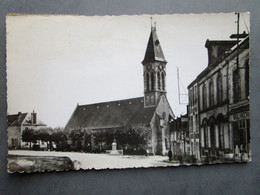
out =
column 170, row 155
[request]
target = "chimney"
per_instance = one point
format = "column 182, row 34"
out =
column 34, row 118
column 217, row 48
column 19, row 113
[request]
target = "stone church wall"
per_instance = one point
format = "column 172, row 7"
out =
column 161, row 128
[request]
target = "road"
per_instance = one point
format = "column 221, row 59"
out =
column 104, row 161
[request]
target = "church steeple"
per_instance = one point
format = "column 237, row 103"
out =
column 154, row 65
column 154, row 51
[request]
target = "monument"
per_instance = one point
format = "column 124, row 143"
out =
column 114, row 150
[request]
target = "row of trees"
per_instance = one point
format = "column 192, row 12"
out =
column 129, row 138
column 47, row 135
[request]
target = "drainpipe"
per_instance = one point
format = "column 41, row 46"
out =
column 228, row 102
column 198, row 104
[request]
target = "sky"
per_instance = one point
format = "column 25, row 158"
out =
column 57, row 62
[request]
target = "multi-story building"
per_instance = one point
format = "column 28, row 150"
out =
column 238, row 100
column 179, row 135
column 218, row 108
column 193, row 118
column 19, row 122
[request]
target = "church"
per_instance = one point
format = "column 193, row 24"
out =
column 152, row 111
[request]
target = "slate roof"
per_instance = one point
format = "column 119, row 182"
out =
column 111, row 114
column 242, row 45
column 22, row 118
column 16, row 119
column 154, row 51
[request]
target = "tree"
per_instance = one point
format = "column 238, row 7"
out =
column 133, row 136
column 29, row 135
column 59, row 137
column 44, row 134
column 144, row 131
column 77, row 137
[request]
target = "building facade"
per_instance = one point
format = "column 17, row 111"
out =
column 239, row 101
column 219, row 103
column 17, row 123
column 180, row 139
column 151, row 111
column 193, row 118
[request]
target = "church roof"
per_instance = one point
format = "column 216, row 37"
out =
column 111, row 114
column 154, row 51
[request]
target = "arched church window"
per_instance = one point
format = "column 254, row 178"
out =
column 152, row 80
column 163, row 120
column 159, row 80
column 152, row 99
column 164, row 116
column 147, row 99
column 219, row 88
column 163, row 81
column 147, row 81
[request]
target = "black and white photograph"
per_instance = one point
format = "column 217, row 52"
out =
column 129, row 91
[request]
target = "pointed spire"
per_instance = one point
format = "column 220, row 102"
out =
column 153, row 51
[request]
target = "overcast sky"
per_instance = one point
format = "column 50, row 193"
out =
column 55, row 62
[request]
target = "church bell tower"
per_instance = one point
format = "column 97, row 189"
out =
column 154, row 66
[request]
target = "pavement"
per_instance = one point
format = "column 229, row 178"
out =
column 103, row 161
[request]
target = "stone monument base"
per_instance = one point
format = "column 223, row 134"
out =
column 114, row 152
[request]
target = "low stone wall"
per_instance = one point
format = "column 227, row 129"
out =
column 30, row 164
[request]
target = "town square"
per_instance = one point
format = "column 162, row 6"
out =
column 87, row 103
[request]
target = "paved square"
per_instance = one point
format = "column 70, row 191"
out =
column 104, row 161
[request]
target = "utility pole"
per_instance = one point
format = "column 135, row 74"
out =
column 238, row 15
column 178, row 85
column 179, row 93
column 237, row 36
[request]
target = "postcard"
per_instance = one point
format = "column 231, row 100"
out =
column 130, row 91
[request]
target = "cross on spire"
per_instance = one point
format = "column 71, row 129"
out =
column 153, row 24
